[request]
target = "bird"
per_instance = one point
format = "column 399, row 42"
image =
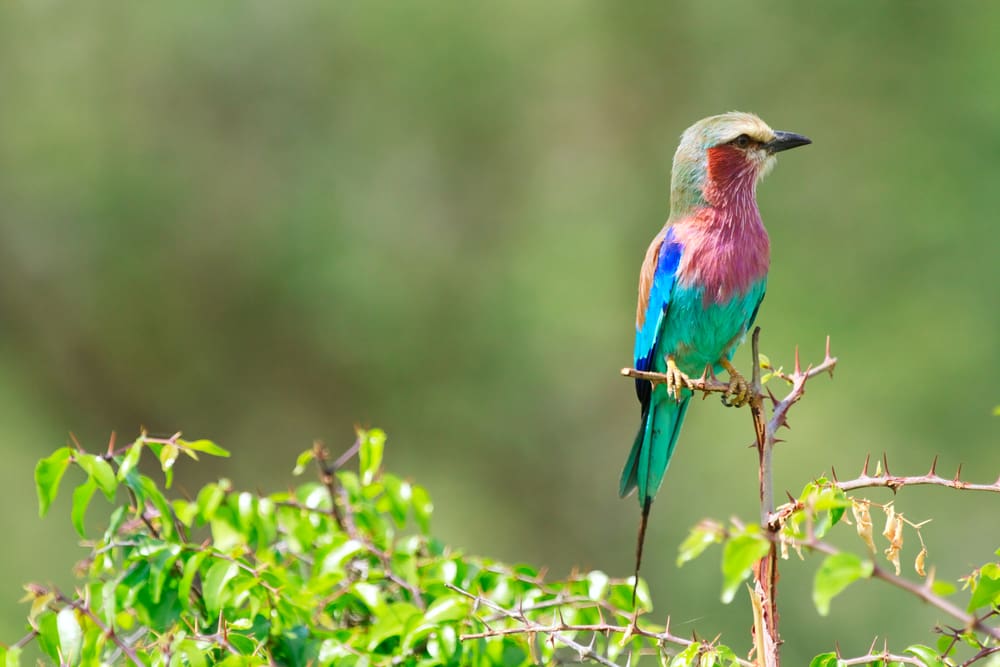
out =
column 701, row 284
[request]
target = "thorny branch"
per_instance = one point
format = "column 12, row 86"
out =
column 328, row 475
column 894, row 482
column 556, row 631
column 872, row 657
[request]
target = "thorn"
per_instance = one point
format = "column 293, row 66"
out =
column 864, row 470
column 958, row 473
column 828, row 346
column 933, row 470
column 111, row 443
column 704, row 373
column 791, row 498
column 633, row 624
column 833, row 473
column 76, row 443
column 666, row 627
column 872, row 647
column 774, row 399
column 836, row 644
column 798, row 364
column 885, row 464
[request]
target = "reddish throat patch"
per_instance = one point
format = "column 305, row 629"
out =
column 729, row 168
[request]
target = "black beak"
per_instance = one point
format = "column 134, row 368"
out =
column 784, row 140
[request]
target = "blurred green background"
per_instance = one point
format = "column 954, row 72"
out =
column 264, row 222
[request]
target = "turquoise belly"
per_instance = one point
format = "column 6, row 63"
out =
column 698, row 334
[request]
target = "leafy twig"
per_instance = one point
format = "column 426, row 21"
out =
column 921, row 591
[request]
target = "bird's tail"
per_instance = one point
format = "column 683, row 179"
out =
column 651, row 452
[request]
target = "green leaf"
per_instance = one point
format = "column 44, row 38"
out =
column 391, row 624
column 305, row 458
column 149, row 491
column 688, row 657
column 161, row 567
column 987, row 591
column 48, row 474
column 191, row 568
column 738, row 558
column 214, row 589
column 168, row 456
column 449, row 608
column 824, row 660
column 81, row 499
column 926, row 655
column 943, row 588
column 700, row 538
column 48, row 634
column 101, row 472
column 835, row 574
column 597, row 584
column 130, row 460
column 203, row 446
column 399, row 494
column 10, row 657
column 70, row 634
column 422, row 508
column 370, row 454
column 209, row 499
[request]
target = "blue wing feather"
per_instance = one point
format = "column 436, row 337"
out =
column 657, row 434
column 664, row 277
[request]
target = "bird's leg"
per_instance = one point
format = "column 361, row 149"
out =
column 739, row 391
column 676, row 379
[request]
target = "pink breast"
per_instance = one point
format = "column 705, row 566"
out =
column 725, row 251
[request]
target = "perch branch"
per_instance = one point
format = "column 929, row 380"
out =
column 766, row 637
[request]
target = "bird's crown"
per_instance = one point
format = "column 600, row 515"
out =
column 721, row 129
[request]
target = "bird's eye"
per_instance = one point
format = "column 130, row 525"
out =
column 741, row 141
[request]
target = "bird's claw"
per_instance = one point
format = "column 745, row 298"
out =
column 677, row 380
column 738, row 393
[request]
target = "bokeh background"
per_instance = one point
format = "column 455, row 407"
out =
column 265, row 222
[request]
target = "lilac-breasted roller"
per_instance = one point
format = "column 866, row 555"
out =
column 701, row 283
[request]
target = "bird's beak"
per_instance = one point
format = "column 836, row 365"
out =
column 784, row 140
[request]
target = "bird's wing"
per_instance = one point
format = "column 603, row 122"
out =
column 656, row 285
column 756, row 309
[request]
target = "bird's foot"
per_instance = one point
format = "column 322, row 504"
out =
column 677, row 380
column 738, row 394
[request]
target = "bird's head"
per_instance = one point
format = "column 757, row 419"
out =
column 721, row 158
